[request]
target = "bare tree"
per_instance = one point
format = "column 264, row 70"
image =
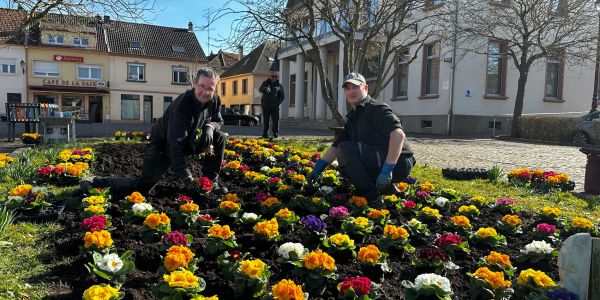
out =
column 372, row 32
column 527, row 32
column 38, row 9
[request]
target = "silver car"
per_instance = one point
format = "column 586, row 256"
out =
column 585, row 133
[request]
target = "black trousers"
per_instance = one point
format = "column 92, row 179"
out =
column 362, row 163
column 271, row 116
column 156, row 164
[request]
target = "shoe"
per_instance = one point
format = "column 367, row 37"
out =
column 275, row 135
column 377, row 203
column 86, row 183
column 265, row 136
column 218, row 187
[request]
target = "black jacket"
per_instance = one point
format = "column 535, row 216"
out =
column 272, row 99
column 175, row 132
column 371, row 123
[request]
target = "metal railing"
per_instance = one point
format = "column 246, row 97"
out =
column 495, row 119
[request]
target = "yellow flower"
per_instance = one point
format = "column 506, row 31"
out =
column 135, row 197
column 579, row 222
column 553, row 180
column 234, row 164
column 402, row 186
column 395, row 232
column 391, row 198
column 95, row 209
column 513, row 220
column 375, row 214
column 361, row 222
column 298, row 178
column 231, row 198
column 340, row 239
column 478, row 199
column 94, row 200
column 538, row 278
column 485, row 232
column 21, row 190
column 98, row 292
column 369, row 255
column 181, row 279
column 427, row 187
column 287, row 290
column 154, row 220
column 205, row 298
column 267, row 228
column 461, row 221
column 358, row 201
column 223, row 232
column 178, row 256
column 319, row 259
column 229, row 205
column 467, row 209
column 270, row 202
column 538, row 172
column 101, row 239
column 252, row 268
column 64, row 155
column 551, row 211
column 284, row 213
column 432, row 212
column 189, row 207
column 498, row 259
column 494, row 279
column 316, row 200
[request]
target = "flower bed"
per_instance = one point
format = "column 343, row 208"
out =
column 426, row 234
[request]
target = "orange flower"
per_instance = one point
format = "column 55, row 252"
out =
column 375, row 214
column 267, row 228
column 189, row 207
column 231, row 197
column 319, row 259
column 511, row 220
column 253, row 268
column 494, row 279
column 154, row 220
column 178, row 256
column 369, row 255
column 101, row 239
column 395, row 232
column 220, row 231
column 21, row 190
column 461, row 221
column 136, row 197
column 229, row 205
column 270, row 202
column 358, row 201
column 498, row 259
column 287, row 290
column 284, row 213
column 402, row 186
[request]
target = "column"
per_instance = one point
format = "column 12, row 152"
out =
column 284, row 77
column 341, row 78
column 300, row 69
column 321, row 109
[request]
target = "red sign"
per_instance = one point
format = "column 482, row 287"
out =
column 78, row 59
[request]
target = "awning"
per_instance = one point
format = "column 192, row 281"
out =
column 69, row 90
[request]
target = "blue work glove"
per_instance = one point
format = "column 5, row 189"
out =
column 384, row 180
column 317, row 170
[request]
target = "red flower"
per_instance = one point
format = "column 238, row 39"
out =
column 360, row 285
column 448, row 239
column 58, row 170
column 184, row 198
column 316, row 156
column 274, row 180
column 204, row 184
column 409, row 204
column 243, row 168
column 432, row 254
column 205, row 217
column 235, row 254
column 94, row 223
column 45, row 171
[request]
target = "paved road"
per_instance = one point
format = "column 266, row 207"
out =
column 447, row 152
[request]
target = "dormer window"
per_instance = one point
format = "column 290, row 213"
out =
column 56, row 39
column 81, row 42
column 179, row 49
column 135, row 44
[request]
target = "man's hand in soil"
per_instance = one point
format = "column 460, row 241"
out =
column 384, row 180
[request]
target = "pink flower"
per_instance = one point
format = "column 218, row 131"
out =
column 409, row 204
column 360, row 285
column 184, row 198
column 94, row 223
column 545, row 228
column 260, row 197
column 243, row 168
column 504, row 201
column 447, row 239
column 175, row 238
column 338, row 212
column 274, row 180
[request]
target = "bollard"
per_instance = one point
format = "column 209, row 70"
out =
column 579, row 266
column 592, row 170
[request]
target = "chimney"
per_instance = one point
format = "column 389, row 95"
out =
column 240, row 51
column 191, row 26
column 106, row 19
column 98, row 19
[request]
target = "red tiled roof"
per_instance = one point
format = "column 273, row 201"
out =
column 10, row 20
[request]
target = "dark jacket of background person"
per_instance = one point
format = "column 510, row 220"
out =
column 176, row 130
column 273, row 98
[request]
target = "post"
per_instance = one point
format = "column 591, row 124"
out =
column 595, row 95
column 594, row 290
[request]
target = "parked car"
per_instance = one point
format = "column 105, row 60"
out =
column 232, row 116
column 585, row 129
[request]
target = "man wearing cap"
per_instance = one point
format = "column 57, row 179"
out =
column 372, row 150
column 271, row 99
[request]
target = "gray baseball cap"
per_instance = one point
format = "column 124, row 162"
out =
column 355, row 78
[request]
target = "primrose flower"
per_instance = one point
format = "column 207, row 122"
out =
column 100, row 292
column 287, row 290
column 429, row 279
column 135, row 197
column 181, row 279
column 291, row 250
column 111, row 263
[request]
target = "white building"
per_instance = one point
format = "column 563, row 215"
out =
column 12, row 63
column 424, row 101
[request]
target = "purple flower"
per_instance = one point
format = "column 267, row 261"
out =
column 294, row 166
column 410, row 180
column 423, row 194
column 175, row 238
column 338, row 212
column 504, row 201
column 313, row 223
column 545, row 228
column 561, row 294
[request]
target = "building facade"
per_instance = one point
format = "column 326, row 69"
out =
column 12, row 61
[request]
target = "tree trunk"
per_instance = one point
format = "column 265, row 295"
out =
column 518, row 111
column 327, row 92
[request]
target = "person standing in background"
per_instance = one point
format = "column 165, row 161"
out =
column 272, row 97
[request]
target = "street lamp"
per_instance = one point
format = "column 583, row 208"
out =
column 595, row 95
column 22, row 63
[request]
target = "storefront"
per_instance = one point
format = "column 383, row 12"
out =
column 82, row 98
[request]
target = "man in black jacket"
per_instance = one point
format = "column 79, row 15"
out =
column 175, row 135
column 372, row 151
column 271, row 99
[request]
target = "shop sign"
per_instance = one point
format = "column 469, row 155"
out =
column 78, row 59
column 69, row 83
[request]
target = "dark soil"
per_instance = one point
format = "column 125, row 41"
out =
column 125, row 159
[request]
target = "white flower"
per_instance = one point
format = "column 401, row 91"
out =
column 265, row 169
column 429, row 279
column 249, row 217
column 539, row 247
column 326, row 190
column 110, row 263
column 142, row 208
column 441, row 201
column 414, row 222
column 334, row 164
column 285, row 250
column 271, row 158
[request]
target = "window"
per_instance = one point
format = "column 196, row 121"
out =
column 13, row 98
column 426, row 124
column 135, row 44
column 7, row 67
column 234, row 87
column 223, row 90
column 179, row 49
column 56, row 39
column 136, row 72
column 168, row 100
column 180, row 75
column 554, row 77
column 130, row 107
column 401, row 80
column 81, row 42
column 496, row 69
column 89, row 72
column 72, row 103
column 46, row 68
column 431, row 70
column 370, row 69
column 244, row 86
column 292, row 90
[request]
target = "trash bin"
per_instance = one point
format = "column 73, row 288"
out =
column 592, row 170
